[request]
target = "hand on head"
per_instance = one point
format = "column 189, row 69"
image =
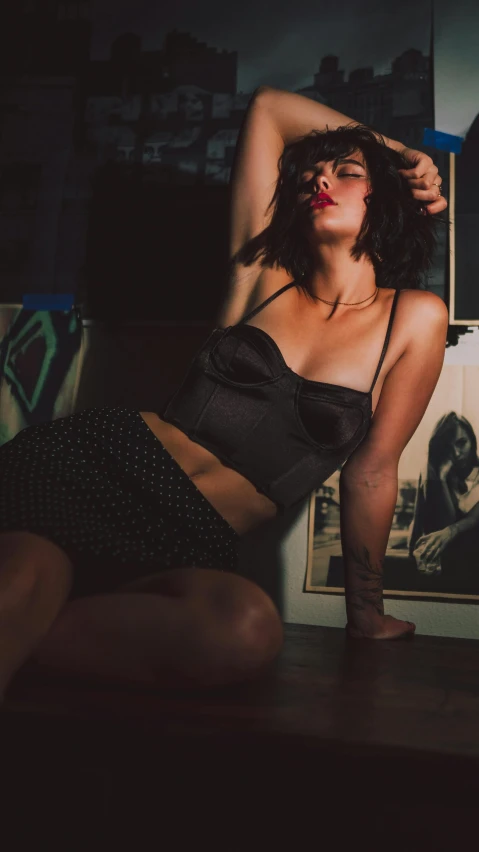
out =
column 424, row 180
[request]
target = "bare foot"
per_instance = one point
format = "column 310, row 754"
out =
column 385, row 627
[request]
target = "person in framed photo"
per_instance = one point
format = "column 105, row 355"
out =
column 445, row 527
column 325, row 354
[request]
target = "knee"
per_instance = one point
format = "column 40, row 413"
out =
column 35, row 562
column 260, row 639
column 253, row 624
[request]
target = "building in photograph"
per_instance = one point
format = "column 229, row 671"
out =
column 175, row 109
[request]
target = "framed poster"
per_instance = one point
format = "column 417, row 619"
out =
column 442, row 454
column 456, row 70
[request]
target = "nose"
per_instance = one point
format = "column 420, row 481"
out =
column 321, row 184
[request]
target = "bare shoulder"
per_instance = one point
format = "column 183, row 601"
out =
column 422, row 316
column 417, row 362
column 421, row 305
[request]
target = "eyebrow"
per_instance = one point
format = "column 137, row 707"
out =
column 343, row 163
column 338, row 163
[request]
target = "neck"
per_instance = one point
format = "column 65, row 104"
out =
column 338, row 277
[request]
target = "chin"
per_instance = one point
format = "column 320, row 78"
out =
column 331, row 236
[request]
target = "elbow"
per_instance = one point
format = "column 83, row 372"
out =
column 264, row 90
column 372, row 473
column 259, row 98
column 263, row 95
column 260, row 93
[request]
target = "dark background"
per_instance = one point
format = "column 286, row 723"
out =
column 467, row 227
column 119, row 122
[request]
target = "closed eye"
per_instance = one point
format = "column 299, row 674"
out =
column 308, row 183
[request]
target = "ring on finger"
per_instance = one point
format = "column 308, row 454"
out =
column 438, row 187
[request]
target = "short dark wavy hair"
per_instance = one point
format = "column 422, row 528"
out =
column 442, row 437
column 396, row 235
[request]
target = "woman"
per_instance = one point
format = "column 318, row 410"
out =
column 166, row 499
column 444, row 528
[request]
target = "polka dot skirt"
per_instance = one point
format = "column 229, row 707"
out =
column 103, row 487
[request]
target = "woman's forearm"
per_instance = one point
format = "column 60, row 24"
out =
column 468, row 523
column 296, row 115
column 439, row 502
column 367, row 506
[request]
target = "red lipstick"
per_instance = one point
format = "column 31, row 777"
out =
column 322, row 199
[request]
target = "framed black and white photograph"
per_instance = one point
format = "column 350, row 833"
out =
column 433, row 543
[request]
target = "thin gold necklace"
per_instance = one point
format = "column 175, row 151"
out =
column 347, row 303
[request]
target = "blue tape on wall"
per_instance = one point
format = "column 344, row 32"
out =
column 442, row 141
column 48, row 301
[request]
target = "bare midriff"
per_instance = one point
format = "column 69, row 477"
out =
column 233, row 496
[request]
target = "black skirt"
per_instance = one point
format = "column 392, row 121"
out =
column 102, row 486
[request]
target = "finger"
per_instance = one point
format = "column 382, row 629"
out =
column 426, row 182
column 420, row 170
column 436, row 207
column 426, row 195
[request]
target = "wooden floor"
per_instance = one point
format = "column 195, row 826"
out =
column 354, row 739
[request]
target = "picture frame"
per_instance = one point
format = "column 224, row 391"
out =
column 456, row 578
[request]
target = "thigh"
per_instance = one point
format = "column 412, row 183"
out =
column 217, row 628
column 226, row 592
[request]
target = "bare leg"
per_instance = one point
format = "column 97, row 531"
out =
column 35, row 581
column 187, row 626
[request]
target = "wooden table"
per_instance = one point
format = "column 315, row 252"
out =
column 342, row 735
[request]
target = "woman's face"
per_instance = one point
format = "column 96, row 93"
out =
column 347, row 184
column 461, row 449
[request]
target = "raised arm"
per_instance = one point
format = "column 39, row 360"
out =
column 253, row 181
column 295, row 116
column 276, row 118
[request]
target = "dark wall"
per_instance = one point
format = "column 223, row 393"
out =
column 467, row 227
column 154, row 250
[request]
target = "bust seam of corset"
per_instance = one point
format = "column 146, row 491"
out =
column 203, row 410
column 252, row 343
column 316, row 443
column 221, row 378
column 325, row 398
column 287, row 368
column 231, row 382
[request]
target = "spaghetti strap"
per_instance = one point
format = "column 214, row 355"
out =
column 386, row 342
column 266, row 302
